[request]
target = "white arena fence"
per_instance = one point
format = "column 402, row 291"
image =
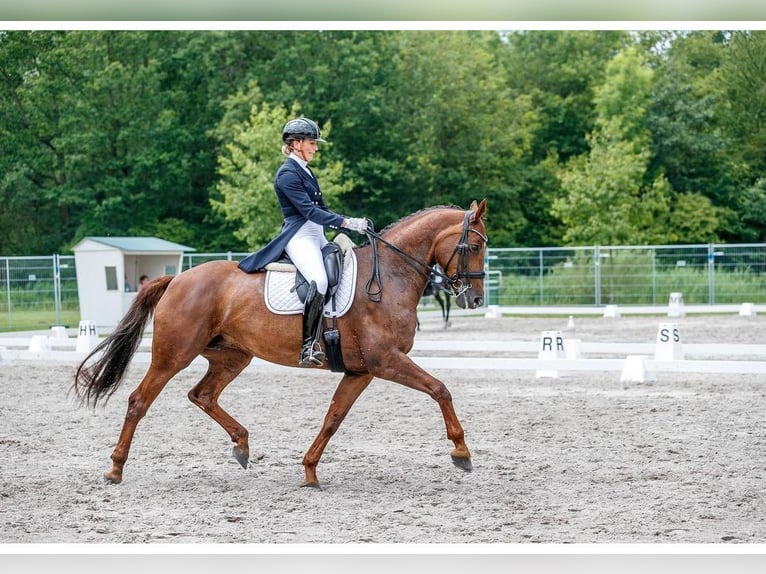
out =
column 552, row 356
column 587, row 277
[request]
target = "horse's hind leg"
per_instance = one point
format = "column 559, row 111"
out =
column 139, row 402
column 224, row 366
column 349, row 389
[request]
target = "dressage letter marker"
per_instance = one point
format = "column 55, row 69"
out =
column 612, row 312
column 551, row 348
column 747, row 310
column 572, row 349
column 58, row 333
column 668, row 346
column 493, row 312
column 87, row 337
column 39, row 344
column 635, row 370
column 676, row 305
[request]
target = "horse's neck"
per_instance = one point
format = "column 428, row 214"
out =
column 404, row 274
column 416, row 239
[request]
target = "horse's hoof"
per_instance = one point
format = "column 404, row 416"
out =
column 311, row 484
column 240, row 456
column 113, row 477
column 462, row 463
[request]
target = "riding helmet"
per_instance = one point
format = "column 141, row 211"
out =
column 301, row 128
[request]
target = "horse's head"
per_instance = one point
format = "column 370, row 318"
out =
column 460, row 252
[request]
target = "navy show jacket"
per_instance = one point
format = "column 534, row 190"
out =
column 300, row 200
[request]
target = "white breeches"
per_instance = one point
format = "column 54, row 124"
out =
column 305, row 251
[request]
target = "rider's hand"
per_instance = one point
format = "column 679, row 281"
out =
column 358, row 224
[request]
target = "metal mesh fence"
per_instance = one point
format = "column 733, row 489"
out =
column 35, row 290
column 40, row 291
column 627, row 275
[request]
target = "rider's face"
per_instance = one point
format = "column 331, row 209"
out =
column 305, row 149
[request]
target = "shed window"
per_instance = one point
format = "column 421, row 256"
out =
column 111, row 278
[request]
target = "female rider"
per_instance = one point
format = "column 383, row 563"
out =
column 302, row 235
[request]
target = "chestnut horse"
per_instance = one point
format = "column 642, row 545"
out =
column 217, row 311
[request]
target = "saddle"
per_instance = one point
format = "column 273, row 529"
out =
column 286, row 289
column 332, row 256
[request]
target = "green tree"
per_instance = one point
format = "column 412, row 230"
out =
column 249, row 159
column 558, row 71
column 466, row 132
column 119, row 132
column 34, row 219
column 105, row 133
column 692, row 219
column 753, row 211
column 743, row 77
column 419, row 118
column 608, row 200
column 689, row 140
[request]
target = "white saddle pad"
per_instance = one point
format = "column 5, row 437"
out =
column 280, row 279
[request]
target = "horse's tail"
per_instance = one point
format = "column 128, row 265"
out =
column 100, row 379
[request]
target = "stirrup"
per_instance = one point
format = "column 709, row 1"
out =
column 311, row 357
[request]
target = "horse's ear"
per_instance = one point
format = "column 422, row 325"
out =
column 478, row 209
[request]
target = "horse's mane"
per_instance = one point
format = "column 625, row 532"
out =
column 417, row 214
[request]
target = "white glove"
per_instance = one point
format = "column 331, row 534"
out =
column 358, row 224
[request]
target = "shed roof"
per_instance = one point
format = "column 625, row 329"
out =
column 139, row 244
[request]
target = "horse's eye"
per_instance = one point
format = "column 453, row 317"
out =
column 475, row 248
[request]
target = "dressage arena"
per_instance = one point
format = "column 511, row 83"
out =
column 572, row 457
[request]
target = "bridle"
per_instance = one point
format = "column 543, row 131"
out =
column 452, row 284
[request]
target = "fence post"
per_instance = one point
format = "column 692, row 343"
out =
column 654, row 276
column 540, row 275
column 8, row 287
column 711, row 273
column 57, row 288
column 597, row 274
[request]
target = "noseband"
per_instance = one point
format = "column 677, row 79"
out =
column 452, row 284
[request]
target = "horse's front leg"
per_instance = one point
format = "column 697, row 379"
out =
column 349, row 389
column 399, row 368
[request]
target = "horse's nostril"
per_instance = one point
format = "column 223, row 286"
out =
column 478, row 301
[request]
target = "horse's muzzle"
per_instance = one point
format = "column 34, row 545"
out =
column 470, row 300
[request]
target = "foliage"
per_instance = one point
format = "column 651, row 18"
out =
column 247, row 165
column 607, row 199
column 572, row 136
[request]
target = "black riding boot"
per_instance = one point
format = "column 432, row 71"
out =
column 311, row 353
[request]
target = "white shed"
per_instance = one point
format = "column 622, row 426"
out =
column 109, row 270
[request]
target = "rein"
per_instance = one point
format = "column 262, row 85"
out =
column 449, row 284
